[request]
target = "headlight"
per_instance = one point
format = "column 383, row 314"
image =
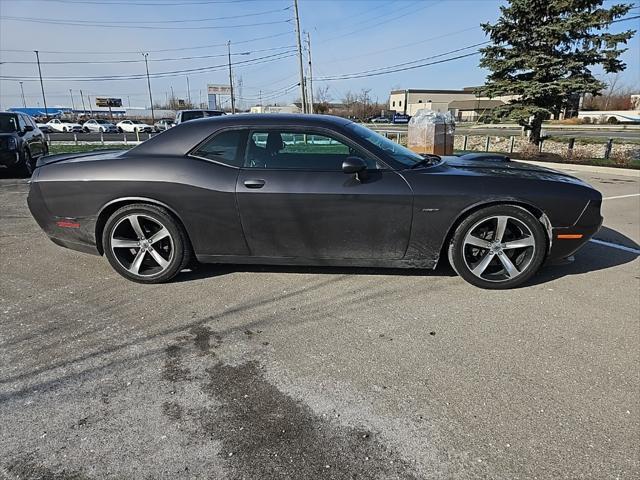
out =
column 12, row 143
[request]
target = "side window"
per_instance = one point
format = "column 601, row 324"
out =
column 223, row 148
column 22, row 122
column 279, row 149
column 31, row 122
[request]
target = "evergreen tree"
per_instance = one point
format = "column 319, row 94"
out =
column 542, row 52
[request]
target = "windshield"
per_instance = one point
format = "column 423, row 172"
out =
column 102, row 122
column 138, row 122
column 8, row 123
column 399, row 153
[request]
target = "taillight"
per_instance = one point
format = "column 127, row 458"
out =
column 12, row 143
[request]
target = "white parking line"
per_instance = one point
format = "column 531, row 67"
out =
column 615, row 245
column 622, row 196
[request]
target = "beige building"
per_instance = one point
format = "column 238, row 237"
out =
column 469, row 107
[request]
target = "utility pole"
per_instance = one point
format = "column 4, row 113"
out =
column 73, row 106
column 310, row 75
column 188, row 93
column 173, row 98
column 303, row 97
column 146, row 64
column 84, row 110
column 233, row 101
column 90, row 106
column 24, row 102
column 44, row 99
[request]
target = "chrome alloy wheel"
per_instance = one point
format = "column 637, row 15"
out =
column 498, row 248
column 142, row 245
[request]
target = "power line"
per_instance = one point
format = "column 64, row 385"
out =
column 258, row 60
column 105, row 62
column 146, row 27
column 358, row 75
column 138, row 22
column 137, row 52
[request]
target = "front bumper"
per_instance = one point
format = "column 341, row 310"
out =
column 566, row 241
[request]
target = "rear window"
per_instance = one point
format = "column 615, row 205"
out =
column 223, row 148
column 8, row 123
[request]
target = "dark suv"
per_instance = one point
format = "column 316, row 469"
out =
column 21, row 142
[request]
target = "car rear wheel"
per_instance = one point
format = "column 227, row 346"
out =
column 498, row 247
column 27, row 166
column 144, row 243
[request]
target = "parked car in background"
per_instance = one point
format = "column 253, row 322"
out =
column 186, row 115
column 163, row 124
column 58, row 125
column 99, row 125
column 380, row 120
column 21, row 142
column 130, row 126
column 44, row 128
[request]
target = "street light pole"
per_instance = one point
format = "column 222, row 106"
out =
column 24, row 102
column 44, row 99
column 73, row 106
column 188, row 92
column 233, row 102
column 146, row 64
column 303, row 97
column 84, row 110
column 310, row 75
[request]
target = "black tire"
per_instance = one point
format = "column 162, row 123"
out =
column 178, row 258
column 527, row 260
column 27, row 165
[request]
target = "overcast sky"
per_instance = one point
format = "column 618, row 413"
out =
column 347, row 36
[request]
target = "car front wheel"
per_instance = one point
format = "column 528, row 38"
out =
column 144, row 243
column 498, row 247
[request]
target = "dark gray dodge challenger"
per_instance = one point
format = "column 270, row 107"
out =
column 308, row 190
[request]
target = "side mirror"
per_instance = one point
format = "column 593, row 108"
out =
column 28, row 128
column 354, row 165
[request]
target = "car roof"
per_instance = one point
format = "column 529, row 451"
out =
column 181, row 138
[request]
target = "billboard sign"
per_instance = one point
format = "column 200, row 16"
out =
column 218, row 89
column 108, row 102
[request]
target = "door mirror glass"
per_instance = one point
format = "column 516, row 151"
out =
column 28, row 128
column 354, row 165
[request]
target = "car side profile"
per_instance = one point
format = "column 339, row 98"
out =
column 21, row 143
column 132, row 126
column 308, row 190
column 99, row 125
column 58, row 125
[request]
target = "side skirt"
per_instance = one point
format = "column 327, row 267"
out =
column 327, row 262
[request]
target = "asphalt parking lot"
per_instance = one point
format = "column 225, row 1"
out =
column 260, row 373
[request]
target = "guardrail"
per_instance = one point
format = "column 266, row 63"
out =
column 399, row 136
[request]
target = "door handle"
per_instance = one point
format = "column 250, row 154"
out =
column 254, row 183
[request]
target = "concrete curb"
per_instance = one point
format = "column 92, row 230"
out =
column 569, row 167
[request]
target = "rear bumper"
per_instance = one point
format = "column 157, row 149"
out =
column 73, row 233
column 585, row 228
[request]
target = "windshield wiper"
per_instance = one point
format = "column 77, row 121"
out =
column 429, row 159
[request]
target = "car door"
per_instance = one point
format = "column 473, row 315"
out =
column 295, row 200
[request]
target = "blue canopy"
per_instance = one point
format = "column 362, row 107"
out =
column 39, row 112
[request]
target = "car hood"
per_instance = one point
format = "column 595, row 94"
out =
column 508, row 168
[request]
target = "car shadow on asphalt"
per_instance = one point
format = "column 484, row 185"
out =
column 592, row 257
column 203, row 271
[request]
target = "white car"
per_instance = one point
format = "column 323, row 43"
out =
column 133, row 126
column 58, row 125
column 99, row 125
